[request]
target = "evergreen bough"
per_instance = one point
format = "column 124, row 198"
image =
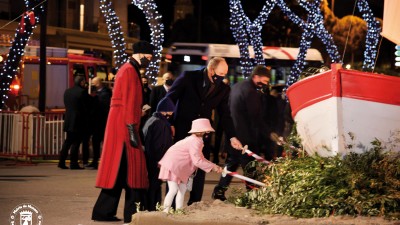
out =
column 366, row 184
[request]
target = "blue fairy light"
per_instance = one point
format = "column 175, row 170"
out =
column 115, row 33
column 22, row 35
column 153, row 18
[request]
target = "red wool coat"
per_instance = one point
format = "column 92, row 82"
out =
column 125, row 109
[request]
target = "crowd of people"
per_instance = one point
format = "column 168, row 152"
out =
column 150, row 135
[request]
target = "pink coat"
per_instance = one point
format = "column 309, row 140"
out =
column 184, row 157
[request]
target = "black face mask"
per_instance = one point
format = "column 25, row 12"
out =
column 217, row 79
column 144, row 62
column 145, row 85
column 93, row 88
column 169, row 118
column 206, row 136
column 262, row 87
column 169, row 82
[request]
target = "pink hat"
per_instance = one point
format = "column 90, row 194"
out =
column 201, row 125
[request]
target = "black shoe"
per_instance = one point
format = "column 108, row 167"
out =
column 76, row 167
column 62, row 166
column 114, row 218
column 218, row 193
column 93, row 165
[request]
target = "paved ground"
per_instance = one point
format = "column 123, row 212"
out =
column 64, row 197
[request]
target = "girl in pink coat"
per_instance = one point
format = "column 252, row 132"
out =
column 182, row 159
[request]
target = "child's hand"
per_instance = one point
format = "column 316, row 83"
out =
column 217, row 169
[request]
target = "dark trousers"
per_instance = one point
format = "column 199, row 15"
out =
column 234, row 160
column 72, row 142
column 198, row 182
column 107, row 203
column 85, row 148
column 97, row 138
column 218, row 141
column 154, row 191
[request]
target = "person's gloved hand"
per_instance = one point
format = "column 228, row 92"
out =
column 133, row 139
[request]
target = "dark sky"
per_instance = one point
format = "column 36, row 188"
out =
column 345, row 7
column 219, row 10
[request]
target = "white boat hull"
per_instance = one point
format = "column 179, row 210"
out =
column 335, row 119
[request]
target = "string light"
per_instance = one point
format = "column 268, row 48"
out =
column 305, row 42
column 23, row 33
column 240, row 36
column 246, row 32
column 153, row 18
column 115, row 33
column 313, row 27
column 372, row 37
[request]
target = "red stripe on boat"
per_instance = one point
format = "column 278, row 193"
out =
column 344, row 83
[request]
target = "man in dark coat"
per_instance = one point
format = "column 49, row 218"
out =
column 146, row 90
column 247, row 112
column 101, row 104
column 75, row 101
column 159, row 92
column 123, row 163
column 145, row 105
column 196, row 94
column 157, row 139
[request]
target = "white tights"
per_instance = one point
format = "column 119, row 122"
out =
column 174, row 189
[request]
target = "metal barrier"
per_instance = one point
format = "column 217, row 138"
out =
column 28, row 135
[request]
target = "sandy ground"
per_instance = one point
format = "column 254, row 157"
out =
column 220, row 213
column 66, row 197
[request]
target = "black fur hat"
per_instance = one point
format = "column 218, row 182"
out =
column 143, row 47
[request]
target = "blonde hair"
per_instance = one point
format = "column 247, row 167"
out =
column 214, row 62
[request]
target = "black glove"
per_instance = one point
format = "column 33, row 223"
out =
column 133, row 138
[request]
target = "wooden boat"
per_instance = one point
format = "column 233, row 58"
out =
column 340, row 110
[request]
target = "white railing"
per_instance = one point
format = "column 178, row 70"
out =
column 30, row 135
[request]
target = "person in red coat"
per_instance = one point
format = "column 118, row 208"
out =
column 123, row 163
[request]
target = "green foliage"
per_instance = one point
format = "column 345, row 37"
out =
column 171, row 210
column 365, row 184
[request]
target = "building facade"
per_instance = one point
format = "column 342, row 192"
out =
column 72, row 24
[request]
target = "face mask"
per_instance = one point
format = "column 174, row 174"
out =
column 259, row 84
column 145, row 85
column 262, row 87
column 169, row 82
column 144, row 62
column 217, row 79
column 206, row 136
column 265, row 88
column 169, row 118
column 93, row 88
